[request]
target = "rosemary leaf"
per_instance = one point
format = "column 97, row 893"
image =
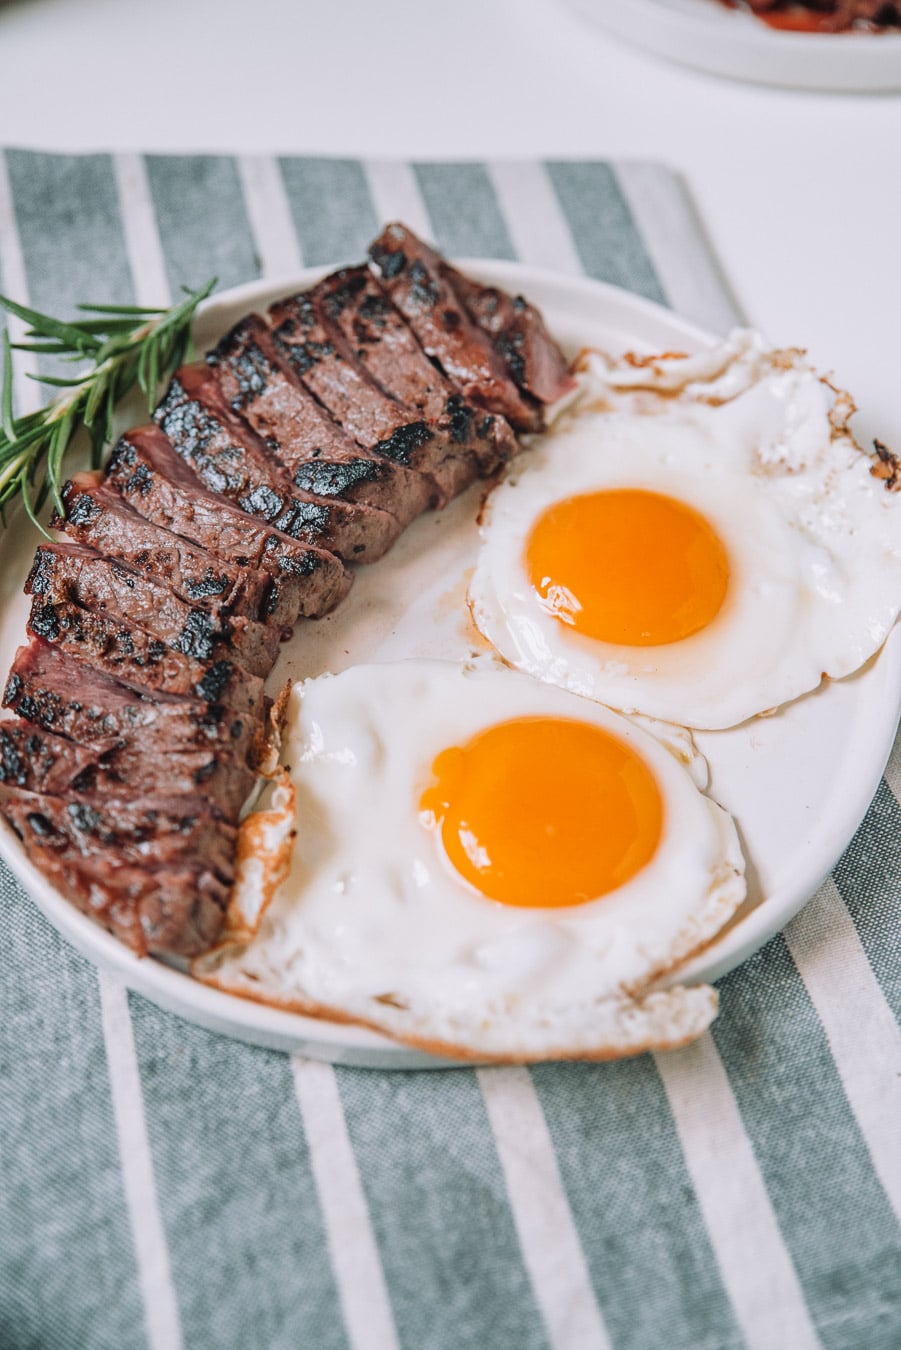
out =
column 50, row 348
column 153, row 372
column 29, row 507
column 137, row 310
column 57, row 381
column 6, row 392
column 96, row 394
column 106, row 327
column 59, row 443
column 42, row 325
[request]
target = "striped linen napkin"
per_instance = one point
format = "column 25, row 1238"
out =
column 164, row 1187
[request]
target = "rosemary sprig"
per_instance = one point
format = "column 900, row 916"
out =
column 125, row 345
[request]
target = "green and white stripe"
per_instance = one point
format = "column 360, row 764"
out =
column 163, row 1187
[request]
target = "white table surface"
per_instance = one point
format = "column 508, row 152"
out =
column 801, row 193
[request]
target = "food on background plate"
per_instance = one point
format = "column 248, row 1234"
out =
column 484, row 866
column 698, row 538
column 306, row 441
column 824, row 16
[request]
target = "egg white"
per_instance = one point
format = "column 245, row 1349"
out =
column 754, row 441
column 373, row 923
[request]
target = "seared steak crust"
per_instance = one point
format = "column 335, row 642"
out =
column 176, row 908
column 366, row 326
column 74, row 572
column 35, row 759
column 320, row 457
column 177, row 827
column 153, row 741
column 532, row 358
column 231, row 459
column 341, row 384
column 142, row 660
column 96, row 515
column 150, row 476
column 411, row 274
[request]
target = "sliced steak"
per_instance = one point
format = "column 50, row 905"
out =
column 306, row 438
column 411, row 274
column 77, row 573
column 98, row 516
column 232, row 460
column 154, row 741
column 320, row 457
column 531, row 356
column 137, row 658
column 150, row 830
column 152, row 478
column 373, row 418
column 367, row 327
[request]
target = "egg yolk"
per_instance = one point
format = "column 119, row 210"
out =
column 628, row 566
column 544, row 811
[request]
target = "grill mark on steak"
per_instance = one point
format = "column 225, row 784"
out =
column 366, row 413
column 532, row 358
column 96, row 515
column 366, row 325
column 74, row 572
column 41, row 762
column 151, row 477
column 320, row 457
column 232, row 460
column 411, row 274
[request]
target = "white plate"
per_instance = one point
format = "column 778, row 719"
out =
column 797, row 783
column 708, row 36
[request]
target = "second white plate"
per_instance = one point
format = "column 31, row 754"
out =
column 708, row 36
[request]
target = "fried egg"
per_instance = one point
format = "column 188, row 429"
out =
column 700, row 539
column 487, row 867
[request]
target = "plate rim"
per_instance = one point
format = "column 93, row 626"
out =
column 349, row 1043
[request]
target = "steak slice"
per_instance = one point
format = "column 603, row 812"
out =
column 173, row 909
column 320, row 457
column 74, row 572
column 411, row 273
column 154, row 741
column 98, row 516
column 531, row 356
column 366, row 326
column 148, row 830
column 233, row 461
column 139, row 659
column 373, row 418
column 152, row 478
column 35, row 759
